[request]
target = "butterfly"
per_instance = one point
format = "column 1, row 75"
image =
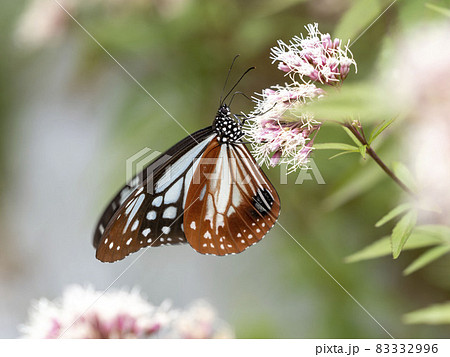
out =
column 207, row 190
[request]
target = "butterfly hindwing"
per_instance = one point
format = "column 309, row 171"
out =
column 230, row 204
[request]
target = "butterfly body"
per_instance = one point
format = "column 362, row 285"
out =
column 207, row 190
column 228, row 129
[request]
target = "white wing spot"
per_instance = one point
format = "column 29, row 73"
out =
column 111, row 245
column 211, row 245
column 134, row 209
column 242, row 241
column 204, row 244
column 165, row 230
column 161, row 240
column 118, row 247
column 139, row 191
column 149, row 240
column 157, row 201
column 146, row 231
column 250, row 236
column 129, row 206
column 170, row 212
column 135, row 225
column 230, row 211
column 263, row 224
column 258, row 230
column 222, row 246
column 169, row 239
column 129, row 241
column 101, row 229
column 239, row 235
column 229, row 245
column 151, row 215
column 202, row 193
column 193, row 226
column 180, row 166
column 174, row 192
column 207, row 235
column 106, row 240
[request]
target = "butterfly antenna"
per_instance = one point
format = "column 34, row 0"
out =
column 243, row 75
column 226, row 80
column 241, row 93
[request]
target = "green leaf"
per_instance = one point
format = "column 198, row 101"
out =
column 342, row 153
column 354, row 100
column 419, row 238
column 335, row 146
column 426, row 258
column 347, row 149
column 362, row 151
column 352, row 136
column 270, row 8
column 397, row 211
column 441, row 10
column 438, row 231
column 403, row 173
column 402, row 231
column 377, row 249
column 357, row 18
column 379, row 129
column 360, row 182
column 437, row 314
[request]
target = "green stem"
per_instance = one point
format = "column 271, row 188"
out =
column 362, row 139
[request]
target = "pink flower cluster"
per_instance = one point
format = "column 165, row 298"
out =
column 277, row 134
column 317, row 57
column 274, row 141
column 88, row 314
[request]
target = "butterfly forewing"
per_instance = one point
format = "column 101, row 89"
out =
column 230, row 204
column 152, row 214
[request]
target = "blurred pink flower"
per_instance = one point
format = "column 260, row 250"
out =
column 200, row 321
column 44, row 22
column 86, row 313
column 418, row 85
column 41, row 23
column 118, row 314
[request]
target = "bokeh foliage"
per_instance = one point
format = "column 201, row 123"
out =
column 181, row 56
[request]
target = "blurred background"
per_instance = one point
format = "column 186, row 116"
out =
column 70, row 117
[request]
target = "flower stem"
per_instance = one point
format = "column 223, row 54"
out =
column 358, row 132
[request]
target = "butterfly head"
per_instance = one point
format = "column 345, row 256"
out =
column 228, row 129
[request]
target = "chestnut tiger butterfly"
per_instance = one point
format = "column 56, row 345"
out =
column 207, row 190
